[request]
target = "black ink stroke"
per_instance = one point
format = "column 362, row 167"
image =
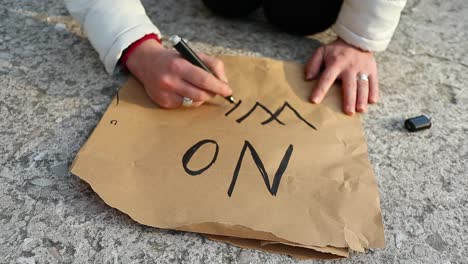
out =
column 279, row 173
column 233, row 108
column 280, row 110
column 117, row 99
column 113, row 122
column 257, row 104
column 189, row 153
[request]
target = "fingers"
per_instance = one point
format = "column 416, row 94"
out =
column 344, row 61
column 171, row 100
column 325, row 82
column 349, row 90
column 167, row 100
column 373, row 88
column 204, row 80
column 171, row 93
column 197, row 104
column 362, row 95
column 216, row 65
column 186, row 89
column 183, row 79
column 168, row 78
column 313, row 65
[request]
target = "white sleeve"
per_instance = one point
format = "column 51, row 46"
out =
column 368, row 24
column 111, row 25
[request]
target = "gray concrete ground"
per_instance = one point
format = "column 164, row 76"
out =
column 53, row 90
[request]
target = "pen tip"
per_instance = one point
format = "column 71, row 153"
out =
column 232, row 99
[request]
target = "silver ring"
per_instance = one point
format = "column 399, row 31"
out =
column 363, row 77
column 187, row 102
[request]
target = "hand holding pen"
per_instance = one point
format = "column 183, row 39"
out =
column 186, row 52
column 168, row 77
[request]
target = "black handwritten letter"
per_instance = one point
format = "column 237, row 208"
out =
column 257, row 104
column 113, row 122
column 280, row 110
column 279, row 173
column 233, row 108
column 188, row 156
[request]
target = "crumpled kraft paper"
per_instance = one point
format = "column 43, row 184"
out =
column 271, row 172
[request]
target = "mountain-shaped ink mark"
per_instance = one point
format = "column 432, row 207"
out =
column 273, row 116
column 280, row 110
column 257, row 104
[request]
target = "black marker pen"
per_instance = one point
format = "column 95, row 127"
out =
column 179, row 44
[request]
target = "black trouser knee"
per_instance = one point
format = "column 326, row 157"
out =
column 303, row 17
column 233, row 8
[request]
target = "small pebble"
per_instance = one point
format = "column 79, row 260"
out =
column 60, row 26
column 42, row 182
column 23, row 260
column 39, row 156
column 419, row 250
column 399, row 237
column 60, row 170
column 27, row 240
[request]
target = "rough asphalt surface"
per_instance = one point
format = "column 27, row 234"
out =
column 53, row 90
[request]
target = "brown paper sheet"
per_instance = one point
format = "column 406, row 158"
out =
column 275, row 170
column 299, row 252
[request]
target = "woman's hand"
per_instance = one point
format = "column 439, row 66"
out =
column 343, row 61
column 168, row 78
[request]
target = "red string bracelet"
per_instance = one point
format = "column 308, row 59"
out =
column 128, row 51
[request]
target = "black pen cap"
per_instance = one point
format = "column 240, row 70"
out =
column 418, row 123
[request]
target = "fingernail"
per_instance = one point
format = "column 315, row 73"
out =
column 312, row 76
column 315, row 100
column 224, row 80
column 361, row 108
column 349, row 111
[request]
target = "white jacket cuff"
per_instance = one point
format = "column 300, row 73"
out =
column 368, row 24
column 125, row 22
column 111, row 57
